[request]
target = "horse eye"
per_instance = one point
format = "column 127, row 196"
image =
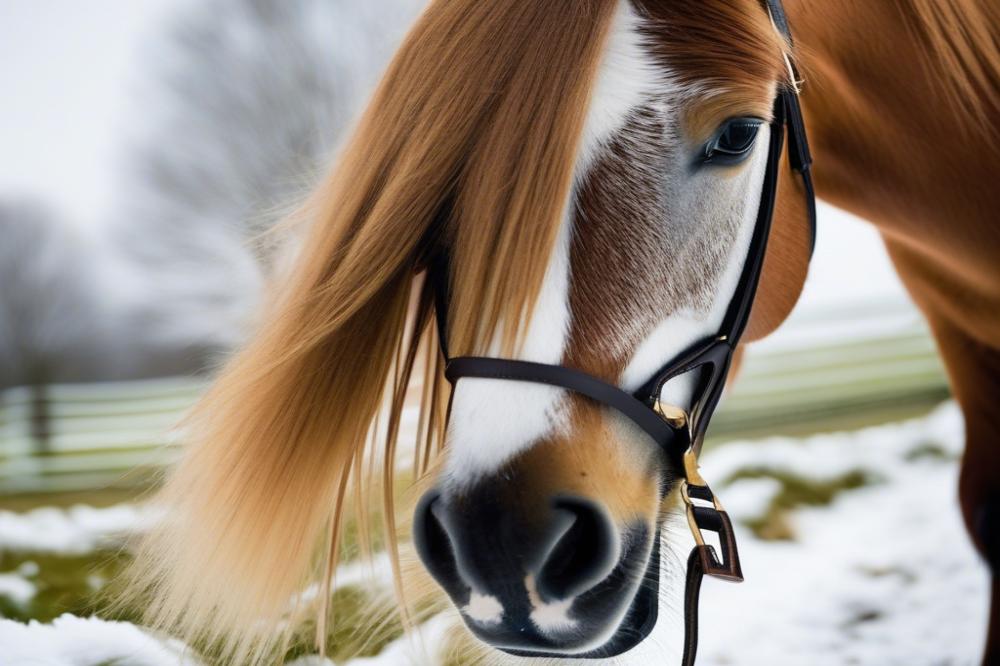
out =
column 733, row 141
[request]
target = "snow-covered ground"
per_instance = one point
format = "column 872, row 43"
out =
column 76, row 530
column 882, row 574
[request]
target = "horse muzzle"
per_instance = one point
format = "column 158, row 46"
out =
column 561, row 580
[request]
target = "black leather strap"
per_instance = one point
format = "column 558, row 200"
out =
column 799, row 157
column 568, row 378
column 777, row 11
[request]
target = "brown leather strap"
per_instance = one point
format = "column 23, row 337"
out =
column 692, row 591
column 703, row 560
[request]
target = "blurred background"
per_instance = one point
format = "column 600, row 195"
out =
column 145, row 144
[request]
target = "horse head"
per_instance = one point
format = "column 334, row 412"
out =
column 573, row 183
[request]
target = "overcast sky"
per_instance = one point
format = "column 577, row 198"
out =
column 69, row 70
column 65, row 70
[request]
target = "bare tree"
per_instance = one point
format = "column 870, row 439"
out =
column 246, row 102
column 52, row 318
column 250, row 100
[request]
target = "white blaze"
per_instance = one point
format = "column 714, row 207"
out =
column 492, row 420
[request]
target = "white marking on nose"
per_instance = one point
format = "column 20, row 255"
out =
column 552, row 616
column 484, row 608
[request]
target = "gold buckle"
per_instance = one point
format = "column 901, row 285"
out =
column 691, row 473
column 675, row 416
column 715, row 520
column 693, row 477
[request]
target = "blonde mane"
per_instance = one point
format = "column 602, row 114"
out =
column 468, row 143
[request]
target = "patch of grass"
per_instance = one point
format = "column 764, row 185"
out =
column 862, row 617
column 796, row 491
column 66, row 583
column 928, row 450
column 901, row 572
column 97, row 498
column 363, row 622
column 351, row 540
column 462, row 649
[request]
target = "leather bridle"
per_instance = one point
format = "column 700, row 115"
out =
column 679, row 432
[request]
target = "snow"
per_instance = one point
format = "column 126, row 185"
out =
column 17, row 588
column 75, row 641
column 884, row 574
column 359, row 572
column 77, row 530
column 419, row 649
column 881, row 450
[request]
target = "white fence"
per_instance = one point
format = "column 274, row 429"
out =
column 834, row 371
column 75, row 436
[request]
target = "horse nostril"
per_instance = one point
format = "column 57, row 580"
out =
column 492, row 548
column 432, row 543
column 583, row 555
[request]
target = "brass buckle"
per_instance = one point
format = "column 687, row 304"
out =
column 712, row 518
column 709, row 518
column 675, row 417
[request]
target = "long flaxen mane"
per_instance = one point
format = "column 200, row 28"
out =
column 469, row 142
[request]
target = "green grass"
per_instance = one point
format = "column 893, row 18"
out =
column 99, row 498
column 65, row 583
column 930, row 450
column 364, row 620
column 795, row 492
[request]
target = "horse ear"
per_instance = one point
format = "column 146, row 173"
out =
column 787, row 260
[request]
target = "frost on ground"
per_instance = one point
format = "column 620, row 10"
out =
column 851, row 543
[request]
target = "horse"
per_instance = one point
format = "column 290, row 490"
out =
column 591, row 171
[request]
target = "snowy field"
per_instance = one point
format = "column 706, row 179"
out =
column 826, row 581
